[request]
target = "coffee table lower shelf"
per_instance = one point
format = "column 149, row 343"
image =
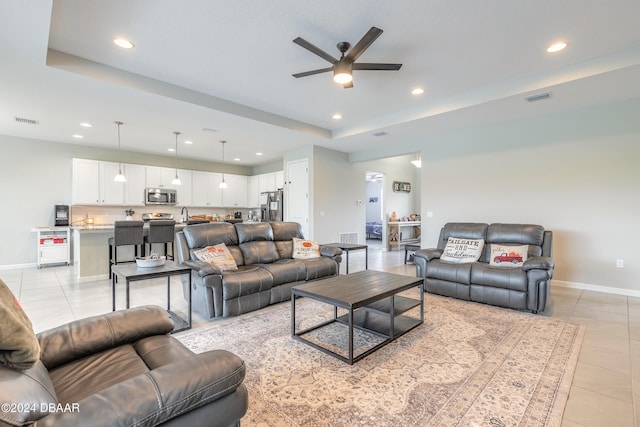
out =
column 376, row 318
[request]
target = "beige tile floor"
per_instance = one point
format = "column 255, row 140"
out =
column 606, row 384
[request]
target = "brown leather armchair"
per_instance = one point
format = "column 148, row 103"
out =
column 122, row 368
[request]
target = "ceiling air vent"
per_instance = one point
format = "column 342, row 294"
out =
column 383, row 133
column 27, row 121
column 538, row 97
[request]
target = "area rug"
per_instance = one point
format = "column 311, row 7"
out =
column 467, row 365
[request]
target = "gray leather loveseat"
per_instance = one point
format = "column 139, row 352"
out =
column 266, row 269
column 525, row 287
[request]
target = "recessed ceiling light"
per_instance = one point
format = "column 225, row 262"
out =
column 171, row 149
column 417, row 91
column 86, row 125
column 123, row 43
column 237, row 159
column 77, row 136
column 188, row 142
column 337, row 116
column 258, row 154
column 556, row 47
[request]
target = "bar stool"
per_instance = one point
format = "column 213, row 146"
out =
column 125, row 233
column 161, row 231
column 408, row 248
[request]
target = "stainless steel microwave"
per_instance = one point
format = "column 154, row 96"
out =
column 160, row 196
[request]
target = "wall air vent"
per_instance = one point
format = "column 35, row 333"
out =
column 27, row 121
column 538, row 97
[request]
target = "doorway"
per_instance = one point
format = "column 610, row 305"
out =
column 375, row 224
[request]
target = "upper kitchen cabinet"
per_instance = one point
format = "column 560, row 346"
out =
column 279, row 180
column 93, row 184
column 206, row 189
column 253, row 192
column 135, row 185
column 235, row 195
column 185, row 189
column 267, row 182
column 159, row 177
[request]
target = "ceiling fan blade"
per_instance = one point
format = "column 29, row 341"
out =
column 314, row 49
column 312, row 72
column 363, row 44
column 348, row 85
column 374, row 66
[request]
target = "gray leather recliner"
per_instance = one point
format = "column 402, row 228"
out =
column 122, row 368
column 526, row 287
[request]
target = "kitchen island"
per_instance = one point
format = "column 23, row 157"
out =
column 91, row 250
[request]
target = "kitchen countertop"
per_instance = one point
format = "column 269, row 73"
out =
column 109, row 227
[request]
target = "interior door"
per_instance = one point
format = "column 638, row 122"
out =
column 296, row 197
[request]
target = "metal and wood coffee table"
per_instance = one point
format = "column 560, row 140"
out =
column 372, row 304
column 131, row 273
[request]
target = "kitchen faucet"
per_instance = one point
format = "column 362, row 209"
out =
column 184, row 209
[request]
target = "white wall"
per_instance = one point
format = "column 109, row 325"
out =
column 575, row 173
column 36, row 175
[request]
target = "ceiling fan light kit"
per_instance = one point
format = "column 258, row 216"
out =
column 343, row 68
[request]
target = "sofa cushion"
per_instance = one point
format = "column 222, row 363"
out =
column 246, row 280
column 259, row 252
column 507, row 255
column 460, row 273
column 462, row 251
column 213, row 233
column 217, row 255
column 285, row 231
column 254, row 232
column 498, row 277
column 286, row 270
column 305, row 249
column 320, row 267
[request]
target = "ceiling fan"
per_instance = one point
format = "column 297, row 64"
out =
column 343, row 67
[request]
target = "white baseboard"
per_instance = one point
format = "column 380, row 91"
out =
column 596, row 288
column 18, row 266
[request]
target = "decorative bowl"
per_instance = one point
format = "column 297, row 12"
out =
column 150, row 262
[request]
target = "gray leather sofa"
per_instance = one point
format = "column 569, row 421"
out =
column 526, row 287
column 266, row 271
column 122, row 369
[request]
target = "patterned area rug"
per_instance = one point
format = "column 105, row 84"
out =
column 467, row 365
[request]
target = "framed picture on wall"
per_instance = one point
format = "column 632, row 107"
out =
column 401, row 187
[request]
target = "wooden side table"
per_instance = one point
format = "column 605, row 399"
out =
column 132, row 273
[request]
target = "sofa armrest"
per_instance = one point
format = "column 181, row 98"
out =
column 202, row 268
column 159, row 395
column 82, row 337
column 429, row 254
column 330, row 251
column 538, row 263
column 28, row 393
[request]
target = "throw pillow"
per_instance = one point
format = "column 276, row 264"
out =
column 217, row 255
column 305, row 249
column 462, row 251
column 19, row 345
column 508, row 256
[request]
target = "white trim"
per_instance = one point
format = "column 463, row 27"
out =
column 18, row 266
column 597, row 288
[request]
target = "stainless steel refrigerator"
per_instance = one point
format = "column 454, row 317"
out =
column 271, row 206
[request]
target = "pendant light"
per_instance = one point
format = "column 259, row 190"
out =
column 176, row 180
column 120, row 177
column 223, row 184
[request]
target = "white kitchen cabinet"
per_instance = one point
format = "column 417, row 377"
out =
column 279, row 176
column 93, row 184
column 185, row 190
column 267, row 182
column 206, row 189
column 159, row 177
column 53, row 245
column 235, row 195
column 135, row 185
column 253, row 192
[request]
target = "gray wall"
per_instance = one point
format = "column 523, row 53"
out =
column 576, row 174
